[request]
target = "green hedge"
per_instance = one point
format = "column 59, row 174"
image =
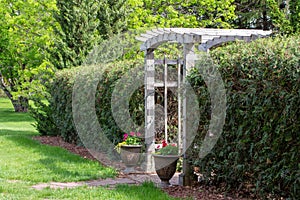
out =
column 260, row 143
column 56, row 117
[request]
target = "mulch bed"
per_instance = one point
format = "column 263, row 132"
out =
column 58, row 141
column 195, row 192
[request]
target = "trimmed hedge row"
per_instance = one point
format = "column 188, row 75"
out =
column 57, row 115
column 260, row 143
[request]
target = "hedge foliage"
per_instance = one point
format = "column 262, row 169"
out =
column 260, row 143
column 57, row 113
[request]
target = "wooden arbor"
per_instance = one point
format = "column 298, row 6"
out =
column 189, row 38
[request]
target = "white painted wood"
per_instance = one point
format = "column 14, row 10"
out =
column 194, row 35
column 168, row 84
column 151, row 33
column 179, row 99
column 166, row 99
column 149, row 110
column 205, row 38
column 143, row 39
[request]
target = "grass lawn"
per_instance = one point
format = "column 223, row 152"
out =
column 24, row 163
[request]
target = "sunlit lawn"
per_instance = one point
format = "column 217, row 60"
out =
column 24, row 162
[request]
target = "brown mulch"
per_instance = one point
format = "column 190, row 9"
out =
column 195, row 192
column 58, row 141
column 79, row 150
column 202, row 192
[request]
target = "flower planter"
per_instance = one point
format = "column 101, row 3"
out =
column 130, row 155
column 165, row 167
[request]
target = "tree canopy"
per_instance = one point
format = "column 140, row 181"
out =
column 25, row 33
column 75, row 33
column 177, row 13
column 277, row 15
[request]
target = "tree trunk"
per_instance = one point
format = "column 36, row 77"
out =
column 265, row 17
column 20, row 105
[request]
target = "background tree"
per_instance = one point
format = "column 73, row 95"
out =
column 76, row 33
column 25, row 32
column 252, row 14
column 293, row 8
column 177, row 13
column 274, row 15
column 112, row 17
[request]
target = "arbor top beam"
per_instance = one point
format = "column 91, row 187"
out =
column 205, row 37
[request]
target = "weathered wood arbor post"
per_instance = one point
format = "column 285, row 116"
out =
column 189, row 38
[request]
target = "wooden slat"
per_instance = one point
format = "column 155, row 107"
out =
column 169, row 84
column 179, row 107
column 142, row 39
column 169, row 62
column 152, row 33
column 166, row 100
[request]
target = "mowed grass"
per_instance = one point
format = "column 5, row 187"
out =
column 25, row 162
column 22, row 158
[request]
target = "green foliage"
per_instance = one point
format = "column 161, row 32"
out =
column 112, row 18
column 39, row 99
column 60, row 105
column 25, row 33
column 168, row 150
column 81, row 26
column 76, row 32
column 43, row 115
column 177, row 13
column 279, row 18
column 122, row 46
column 259, row 147
column 104, row 98
column 132, row 138
column 277, row 15
column 294, row 15
column 57, row 117
column 254, row 14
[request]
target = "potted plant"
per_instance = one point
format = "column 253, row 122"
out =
column 165, row 160
column 130, row 149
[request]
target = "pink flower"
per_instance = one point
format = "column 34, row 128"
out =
column 132, row 133
column 138, row 134
column 174, row 145
column 125, row 136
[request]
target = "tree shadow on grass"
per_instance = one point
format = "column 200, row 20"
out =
column 8, row 115
column 55, row 163
column 9, row 132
